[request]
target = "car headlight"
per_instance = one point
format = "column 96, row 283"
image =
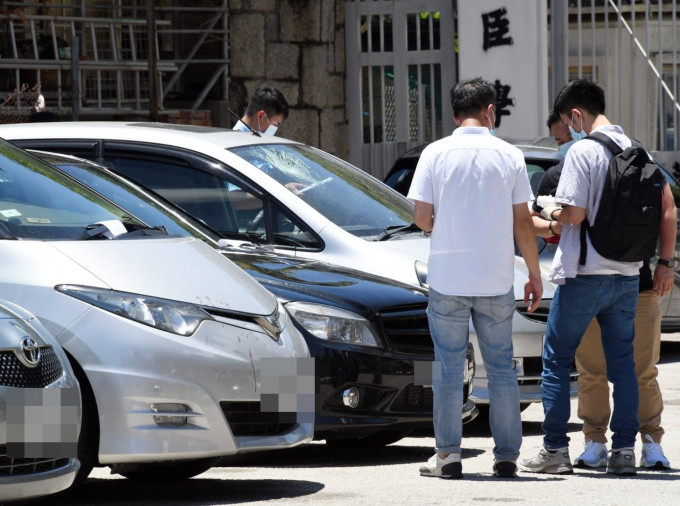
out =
column 176, row 317
column 421, row 273
column 333, row 324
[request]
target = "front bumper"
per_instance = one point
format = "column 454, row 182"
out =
column 137, row 371
column 50, row 481
column 389, row 395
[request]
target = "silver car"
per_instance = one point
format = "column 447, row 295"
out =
column 40, row 409
column 178, row 352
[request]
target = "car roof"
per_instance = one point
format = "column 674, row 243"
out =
column 165, row 133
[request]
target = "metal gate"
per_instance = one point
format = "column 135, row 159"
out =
column 401, row 65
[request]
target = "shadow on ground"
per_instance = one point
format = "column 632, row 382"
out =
column 195, row 492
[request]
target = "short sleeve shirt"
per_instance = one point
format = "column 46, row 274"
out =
column 580, row 185
column 472, row 179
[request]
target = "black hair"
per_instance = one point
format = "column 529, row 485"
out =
column 581, row 93
column 553, row 118
column 268, row 99
column 471, row 96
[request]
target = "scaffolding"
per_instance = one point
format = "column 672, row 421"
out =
column 97, row 59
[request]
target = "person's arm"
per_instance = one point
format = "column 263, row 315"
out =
column 565, row 214
column 664, row 277
column 545, row 228
column 423, row 216
column 525, row 236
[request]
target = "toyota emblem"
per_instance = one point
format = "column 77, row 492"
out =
column 30, row 350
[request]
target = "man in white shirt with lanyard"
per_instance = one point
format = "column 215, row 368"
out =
column 471, row 191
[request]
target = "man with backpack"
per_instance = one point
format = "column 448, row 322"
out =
column 592, row 285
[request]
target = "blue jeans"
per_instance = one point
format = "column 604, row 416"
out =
column 449, row 319
column 612, row 300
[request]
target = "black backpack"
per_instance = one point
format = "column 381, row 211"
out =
column 628, row 220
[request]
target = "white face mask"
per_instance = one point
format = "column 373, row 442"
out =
column 271, row 130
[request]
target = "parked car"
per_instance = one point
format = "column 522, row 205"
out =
column 170, row 341
column 36, row 458
column 297, row 199
column 367, row 334
column 540, row 158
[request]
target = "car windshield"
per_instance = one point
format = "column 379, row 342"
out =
column 39, row 202
column 143, row 206
column 344, row 194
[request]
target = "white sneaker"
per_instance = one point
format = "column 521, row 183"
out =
column 652, row 455
column 594, row 455
column 448, row 468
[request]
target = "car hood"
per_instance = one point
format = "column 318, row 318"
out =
column 180, row 269
column 418, row 248
column 296, row 279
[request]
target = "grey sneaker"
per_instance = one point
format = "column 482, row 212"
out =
column 622, row 462
column 448, row 468
column 548, row 461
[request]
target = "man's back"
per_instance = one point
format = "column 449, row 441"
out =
column 472, row 179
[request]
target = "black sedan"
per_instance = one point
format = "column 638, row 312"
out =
column 369, row 335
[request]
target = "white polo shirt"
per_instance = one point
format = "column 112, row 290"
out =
column 472, row 179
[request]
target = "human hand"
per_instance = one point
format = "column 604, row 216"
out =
column 547, row 212
column 533, row 289
column 664, row 277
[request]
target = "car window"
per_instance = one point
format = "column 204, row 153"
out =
column 199, row 193
column 124, row 195
column 39, row 202
column 535, row 173
column 350, row 198
column 223, row 203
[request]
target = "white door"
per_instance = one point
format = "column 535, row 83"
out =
column 401, row 65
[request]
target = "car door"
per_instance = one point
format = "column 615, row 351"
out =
column 212, row 193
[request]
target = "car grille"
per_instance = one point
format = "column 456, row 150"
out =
column 413, row 398
column 246, row 419
column 16, row 467
column 15, row 374
column 406, row 330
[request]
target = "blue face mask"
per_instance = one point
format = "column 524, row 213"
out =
column 565, row 147
column 577, row 136
column 492, row 130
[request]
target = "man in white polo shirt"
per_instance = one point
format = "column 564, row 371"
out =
column 471, row 191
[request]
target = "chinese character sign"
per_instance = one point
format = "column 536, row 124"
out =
column 506, row 43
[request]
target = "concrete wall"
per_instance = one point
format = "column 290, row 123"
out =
column 298, row 47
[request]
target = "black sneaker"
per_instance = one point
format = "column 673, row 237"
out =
column 504, row 469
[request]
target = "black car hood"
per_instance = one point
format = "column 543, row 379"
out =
column 296, row 279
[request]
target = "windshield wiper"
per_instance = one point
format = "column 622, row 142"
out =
column 393, row 230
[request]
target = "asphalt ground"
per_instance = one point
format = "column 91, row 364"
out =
column 315, row 474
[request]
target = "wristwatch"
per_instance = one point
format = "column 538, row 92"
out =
column 668, row 262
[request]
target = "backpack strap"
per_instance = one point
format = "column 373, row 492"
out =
column 612, row 146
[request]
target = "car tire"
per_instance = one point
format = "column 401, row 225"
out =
column 172, row 470
column 372, row 442
column 88, row 440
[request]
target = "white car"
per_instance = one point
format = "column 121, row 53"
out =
column 293, row 197
column 174, row 346
column 40, row 409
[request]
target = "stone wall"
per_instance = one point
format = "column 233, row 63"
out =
column 298, row 47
